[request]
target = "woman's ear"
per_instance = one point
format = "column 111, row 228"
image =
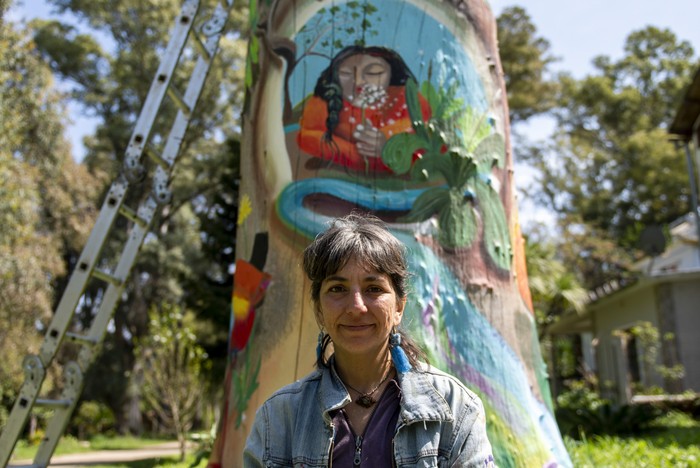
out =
column 400, row 306
column 319, row 316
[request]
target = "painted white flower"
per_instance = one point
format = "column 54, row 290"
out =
column 371, row 95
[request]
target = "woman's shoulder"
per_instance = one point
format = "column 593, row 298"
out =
column 448, row 384
column 296, row 390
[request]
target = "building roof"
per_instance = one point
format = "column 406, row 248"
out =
column 680, row 262
column 689, row 110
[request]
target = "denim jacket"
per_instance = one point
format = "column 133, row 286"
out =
column 441, row 423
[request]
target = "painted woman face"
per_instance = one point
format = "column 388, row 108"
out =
column 363, row 77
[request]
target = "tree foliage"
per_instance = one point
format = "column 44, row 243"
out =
column 525, row 58
column 107, row 57
column 46, row 201
column 172, row 363
column 555, row 288
column 610, row 170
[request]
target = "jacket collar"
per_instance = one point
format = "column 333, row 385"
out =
column 332, row 392
column 420, row 401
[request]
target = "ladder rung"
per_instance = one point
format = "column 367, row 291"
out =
column 199, row 45
column 156, row 157
column 106, row 277
column 179, row 100
column 81, row 338
column 53, row 403
column 132, row 215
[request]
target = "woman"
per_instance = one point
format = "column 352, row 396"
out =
column 371, row 403
column 358, row 104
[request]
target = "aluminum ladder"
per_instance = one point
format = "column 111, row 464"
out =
column 204, row 42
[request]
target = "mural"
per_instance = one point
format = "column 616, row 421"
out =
column 395, row 107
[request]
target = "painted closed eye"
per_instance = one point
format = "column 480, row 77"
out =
column 375, row 70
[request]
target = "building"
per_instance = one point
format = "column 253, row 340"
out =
column 615, row 344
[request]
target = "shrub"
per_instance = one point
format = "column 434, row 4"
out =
column 91, row 419
column 582, row 411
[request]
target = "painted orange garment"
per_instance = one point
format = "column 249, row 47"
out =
column 390, row 117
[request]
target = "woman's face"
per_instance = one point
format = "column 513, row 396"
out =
column 361, row 72
column 358, row 307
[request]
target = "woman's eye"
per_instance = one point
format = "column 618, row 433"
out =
column 336, row 288
column 375, row 289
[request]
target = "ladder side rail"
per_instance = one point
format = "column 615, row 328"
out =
column 214, row 29
column 83, row 270
column 74, row 379
column 34, row 373
column 159, row 87
column 35, row 366
column 98, row 328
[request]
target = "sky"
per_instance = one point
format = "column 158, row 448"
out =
column 578, row 31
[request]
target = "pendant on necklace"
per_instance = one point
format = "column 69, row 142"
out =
column 365, row 401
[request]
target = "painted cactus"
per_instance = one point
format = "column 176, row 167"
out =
column 395, row 107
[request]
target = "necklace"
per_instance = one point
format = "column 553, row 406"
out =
column 365, row 399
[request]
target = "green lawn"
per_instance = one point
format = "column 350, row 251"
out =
column 674, row 442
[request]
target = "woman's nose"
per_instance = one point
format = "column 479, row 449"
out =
column 358, row 302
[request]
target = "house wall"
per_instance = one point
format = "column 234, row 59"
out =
column 687, row 304
column 618, row 314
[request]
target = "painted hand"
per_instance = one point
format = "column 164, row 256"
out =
column 369, row 141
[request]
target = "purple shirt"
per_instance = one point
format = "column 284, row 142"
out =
column 374, row 447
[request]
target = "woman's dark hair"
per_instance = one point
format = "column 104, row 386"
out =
column 328, row 84
column 366, row 239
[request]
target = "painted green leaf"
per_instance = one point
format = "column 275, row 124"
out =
column 496, row 233
column 414, row 109
column 490, row 152
column 457, row 222
column 463, row 167
column 427, row 204
column 398, row 151
column 431, row 95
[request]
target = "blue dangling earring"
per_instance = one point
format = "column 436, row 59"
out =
column 398, row 355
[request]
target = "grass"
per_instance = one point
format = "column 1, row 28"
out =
column 674, row 441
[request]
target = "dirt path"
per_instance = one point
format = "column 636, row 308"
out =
column 106, row 457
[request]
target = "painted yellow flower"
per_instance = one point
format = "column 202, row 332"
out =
column 244, row 209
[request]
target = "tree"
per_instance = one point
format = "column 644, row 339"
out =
column 109, row 78
column 443, row 184
column 46, row 202
column 610, row 170
column 172, row 363
column 526, row 59
column 555, row 288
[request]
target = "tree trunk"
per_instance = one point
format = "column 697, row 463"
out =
column 442, row 180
